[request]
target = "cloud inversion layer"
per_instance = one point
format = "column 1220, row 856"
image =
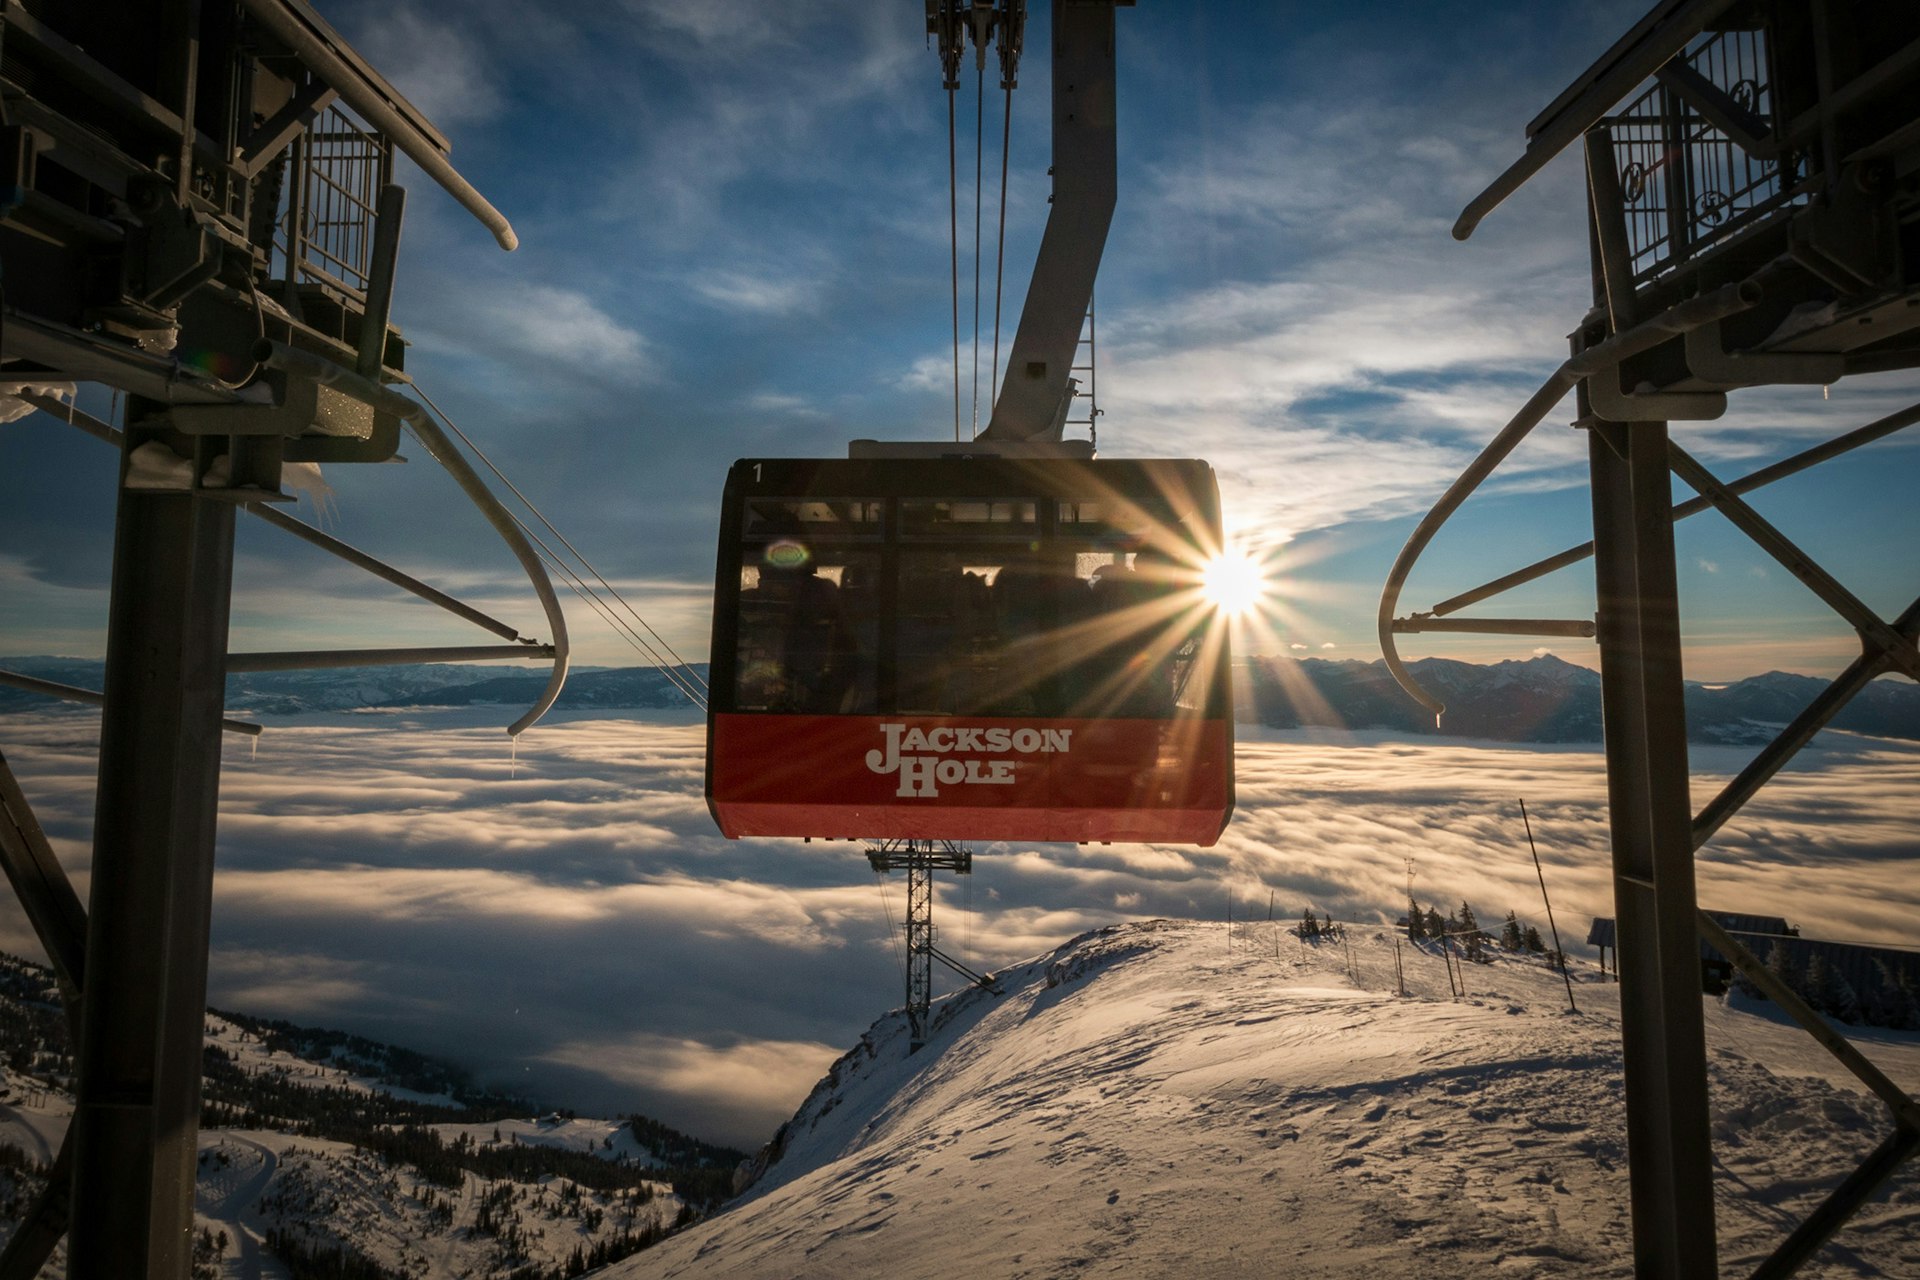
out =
column 569, row 924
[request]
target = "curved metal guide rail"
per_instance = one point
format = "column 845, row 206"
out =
column 278, row 355
column 1688, row 315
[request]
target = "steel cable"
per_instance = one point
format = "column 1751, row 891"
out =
column 691, row 675
column 579, row 587
column 979, row 160
column 953, row 243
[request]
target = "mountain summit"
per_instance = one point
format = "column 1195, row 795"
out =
column 1167, row 1099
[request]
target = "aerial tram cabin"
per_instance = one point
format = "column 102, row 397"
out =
column 969, row 648
column 1001, row 639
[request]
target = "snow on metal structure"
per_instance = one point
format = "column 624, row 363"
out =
column 1754, row 218
column 196, row 209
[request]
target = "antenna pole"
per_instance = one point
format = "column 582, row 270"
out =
column 1557, row 948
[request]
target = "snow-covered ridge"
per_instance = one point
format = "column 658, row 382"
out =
column 1155, row 1099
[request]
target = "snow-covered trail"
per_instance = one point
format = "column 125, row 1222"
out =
column 34, row 1133
column 235, row 1171
column 444, row 1250
column 1143, row 1102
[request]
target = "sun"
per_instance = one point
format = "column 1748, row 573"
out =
column 1233, row 582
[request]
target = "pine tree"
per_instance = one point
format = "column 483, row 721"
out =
column 1886, row 1004
column 1907, row 1001
column 1416, row 923
column 1533, row 943
column 1436, row 927
column 1309, row 927
column 1781, row 966
column 1828, row 990
column 1815, row 981
column 1510, row 939
column 1845, row 1001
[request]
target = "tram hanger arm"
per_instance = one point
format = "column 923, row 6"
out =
column 1034, row 392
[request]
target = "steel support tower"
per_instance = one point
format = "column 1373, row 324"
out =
column 920, row 859
column 1753, row 218
column 196, row 210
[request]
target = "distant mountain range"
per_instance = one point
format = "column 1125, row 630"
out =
column 1543, row 699
column 281, row 693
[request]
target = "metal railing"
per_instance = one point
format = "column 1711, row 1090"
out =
column 325, row 234
column 1691, row 181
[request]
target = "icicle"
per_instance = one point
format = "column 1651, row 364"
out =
column 513, row 756
column 253, row 748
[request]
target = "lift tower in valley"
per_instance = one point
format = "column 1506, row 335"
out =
column 1753, row 219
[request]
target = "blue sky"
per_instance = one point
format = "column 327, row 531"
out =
column 734, row 241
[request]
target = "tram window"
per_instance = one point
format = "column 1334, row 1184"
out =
column 809, row 624
column 969, row 518
column 1104, row 521
column 1065, row 626
column 828, row 517
column 1014, row 606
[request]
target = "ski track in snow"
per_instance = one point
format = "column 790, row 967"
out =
column 1146, row 1103
column 225, row 1198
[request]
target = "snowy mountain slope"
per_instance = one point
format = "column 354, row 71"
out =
column 1145, row 1102
column 264, row 1194
column 268, row 1194
column 252, row 1055
column 316, row 1157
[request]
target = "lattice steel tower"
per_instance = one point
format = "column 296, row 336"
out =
column 920, row 859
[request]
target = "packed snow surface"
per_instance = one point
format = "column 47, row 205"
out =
column 1170, row 1099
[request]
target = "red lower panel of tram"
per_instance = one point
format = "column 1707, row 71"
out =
column 970, row 778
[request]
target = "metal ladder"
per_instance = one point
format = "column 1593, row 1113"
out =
column 1086, row 387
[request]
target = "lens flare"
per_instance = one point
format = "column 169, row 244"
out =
column 1233, row 582
column 787, row 553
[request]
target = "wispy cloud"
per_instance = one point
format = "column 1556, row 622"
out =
column 537, row 323
column 769, row 294
column 929, row 373
column 441, row 67
column 753, row 1082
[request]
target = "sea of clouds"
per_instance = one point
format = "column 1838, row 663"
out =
column 563, row 918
